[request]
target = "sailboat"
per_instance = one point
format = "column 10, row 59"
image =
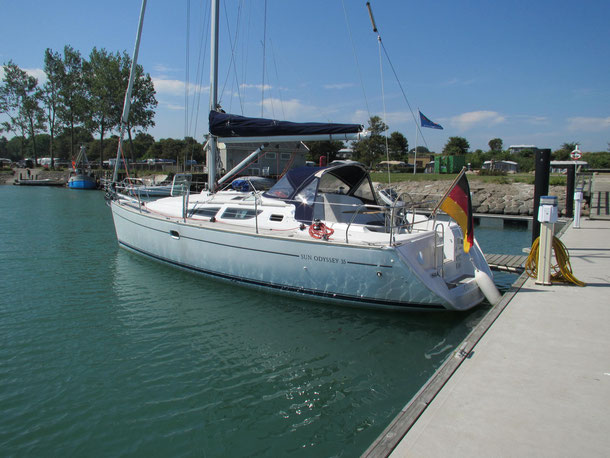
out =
column 81, row 176
column 319, row 233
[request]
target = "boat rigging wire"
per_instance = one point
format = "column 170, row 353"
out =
column 277, row 78
column 187, row 69
column 387, row 149
column 368, row 5
column 194, row 91
column 385, row 116
column 264, row 52
column 232, row 63
column 351, row 39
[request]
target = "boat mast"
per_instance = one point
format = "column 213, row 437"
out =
column 127, row 102
column 213, row 146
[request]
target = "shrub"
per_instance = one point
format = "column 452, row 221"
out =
column 557, row 181
column 491, row 173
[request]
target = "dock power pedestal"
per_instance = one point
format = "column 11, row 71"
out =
column 577, row 204
column 547, row 216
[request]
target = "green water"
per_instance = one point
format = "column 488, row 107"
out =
column 104, row 353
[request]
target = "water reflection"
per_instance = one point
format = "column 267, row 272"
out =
column 265, row 364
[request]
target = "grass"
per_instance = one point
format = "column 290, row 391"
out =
column 396, row 177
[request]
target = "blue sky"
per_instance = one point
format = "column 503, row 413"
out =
column 529, row 72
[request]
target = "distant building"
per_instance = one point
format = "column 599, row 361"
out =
column 274, row 160
column 423, row 159
column 504, row 166
column 514, row 149
column 562, row 166
column 345, row 153
column 449, row 164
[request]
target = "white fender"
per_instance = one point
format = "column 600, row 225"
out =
column 487, row 286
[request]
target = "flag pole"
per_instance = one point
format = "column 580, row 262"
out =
column 416, row 140
column 440, row 202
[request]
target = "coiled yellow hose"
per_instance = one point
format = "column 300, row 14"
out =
column 562, row 270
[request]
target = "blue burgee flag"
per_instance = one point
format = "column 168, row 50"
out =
column 425, row 122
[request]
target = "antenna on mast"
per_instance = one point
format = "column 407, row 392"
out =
column 368, row 5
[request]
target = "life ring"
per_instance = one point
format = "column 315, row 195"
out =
column 320, row 230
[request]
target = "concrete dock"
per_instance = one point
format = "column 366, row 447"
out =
column 532, row 380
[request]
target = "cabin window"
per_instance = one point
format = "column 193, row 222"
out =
column 308, row 194
column 270, row 156
column 282, row 189
column 365, row 192
column 240, row 213
column 331, row 183
column 205, row 211
column 276, row 218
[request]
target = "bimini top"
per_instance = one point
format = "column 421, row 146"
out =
column 230, row 125
column 302, row 186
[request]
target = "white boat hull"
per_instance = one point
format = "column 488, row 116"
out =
column 371, row 276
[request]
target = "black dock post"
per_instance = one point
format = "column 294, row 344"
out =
column 570, row 191
column 541, row 186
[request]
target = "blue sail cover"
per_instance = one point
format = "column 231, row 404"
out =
column 229, row 125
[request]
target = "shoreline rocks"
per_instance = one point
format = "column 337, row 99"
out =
column 492, row 198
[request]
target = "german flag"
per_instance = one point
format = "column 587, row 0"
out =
column 457, row 205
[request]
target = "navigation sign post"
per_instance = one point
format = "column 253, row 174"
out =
column 576, row 154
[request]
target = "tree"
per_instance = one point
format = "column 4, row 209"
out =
column 78, row 136
column 4, row 148
column 420, row 150
column 371, row 149
column 34, row 115
column 142, row 142
column 20, row 102
column 329, row 149
column 72, row 93
column 102, row 80
column 495, row 144
column 10, row 101
column 53, row 68
column 143, row 101
column 398, row 147
column 599, row 160
column 456, row 146
column 563, row 153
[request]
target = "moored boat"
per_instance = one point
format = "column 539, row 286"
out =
column 318, row 233
column 82, row 176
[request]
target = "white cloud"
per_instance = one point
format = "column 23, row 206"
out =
column 588, row 124
column 339, row 86
column 162, row 68
column 171, row 106
column 293, row 109
column 535, row 120
column 360, row 117
column 457, row 82
column 472, row 119
column 175, row 87
column 37, row 73
column 266, row 87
